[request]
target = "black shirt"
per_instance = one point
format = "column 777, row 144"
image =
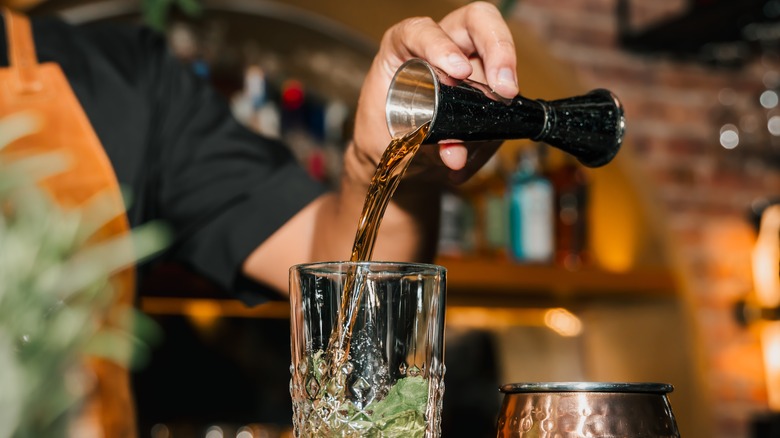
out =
column 174, row 143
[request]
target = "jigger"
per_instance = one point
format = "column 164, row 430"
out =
column 589, row 127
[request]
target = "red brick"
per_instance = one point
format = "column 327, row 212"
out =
column 674, row 119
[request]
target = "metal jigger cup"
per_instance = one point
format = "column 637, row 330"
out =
column 589, row 127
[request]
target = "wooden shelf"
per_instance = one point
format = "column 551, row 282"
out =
column 470, row 282
column 473, row 280
column 210, row 308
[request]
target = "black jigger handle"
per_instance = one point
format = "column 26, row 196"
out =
column 589, row 127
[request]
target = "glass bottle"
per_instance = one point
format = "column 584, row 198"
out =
column 493, row 216
column 531, row 207
column 571, row 227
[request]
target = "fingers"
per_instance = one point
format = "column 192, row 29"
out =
column 466, row 41
column 451, row 163
column 453, row 155
column 479, row 29
column 424, row 38
column 473, row 42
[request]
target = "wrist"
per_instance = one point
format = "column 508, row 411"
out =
column 359, row 167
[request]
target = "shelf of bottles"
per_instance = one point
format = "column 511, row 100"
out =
column 524, row 211
column 300, row 90
column 519, row 230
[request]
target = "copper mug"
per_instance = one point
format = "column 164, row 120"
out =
column 586, row 409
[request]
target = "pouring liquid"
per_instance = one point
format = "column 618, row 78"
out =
column 389, row 172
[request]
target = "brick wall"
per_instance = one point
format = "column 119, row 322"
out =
column 675, row 113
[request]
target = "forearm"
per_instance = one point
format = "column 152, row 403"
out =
column 325, row 229
column 471, row 42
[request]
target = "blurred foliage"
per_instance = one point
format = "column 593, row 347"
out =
column 54, row 290
column 156, row 12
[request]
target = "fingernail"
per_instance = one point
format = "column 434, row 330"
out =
column 454, row 155
column 507, row 76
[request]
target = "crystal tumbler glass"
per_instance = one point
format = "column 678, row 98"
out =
column 368, row 362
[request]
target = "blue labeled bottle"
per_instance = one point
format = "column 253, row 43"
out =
column 531, row 203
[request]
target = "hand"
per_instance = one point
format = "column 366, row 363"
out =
column 471, row 42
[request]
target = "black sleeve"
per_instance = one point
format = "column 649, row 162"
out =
column 223, row 188
column 174, row 142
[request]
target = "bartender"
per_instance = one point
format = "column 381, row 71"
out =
column 242, row 209
column 239, row 203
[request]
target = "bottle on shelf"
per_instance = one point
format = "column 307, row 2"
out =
column 571, row 228
column 456, row 226
column 530, row 199
column 488, row 197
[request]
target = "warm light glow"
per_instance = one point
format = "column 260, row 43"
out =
column 729, row 136
column 557, row 319
column 563, row 322
column 203, row 313
column 770, row 343
column 245, row 432
column 773, row 125
column 227, row 308
column 766, row 286
column 215, row 432
column 768, row 99
column 766, row 259
column 616, row 226
column 484, row 317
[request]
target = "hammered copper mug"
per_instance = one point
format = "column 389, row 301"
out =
column 586, row 410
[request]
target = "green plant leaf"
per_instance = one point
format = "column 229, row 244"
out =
column 155, row 13
column 54, row 291
column 190, row 7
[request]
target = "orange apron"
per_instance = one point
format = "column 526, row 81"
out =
column 43, row 89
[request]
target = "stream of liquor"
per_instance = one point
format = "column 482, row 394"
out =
column 389, row 172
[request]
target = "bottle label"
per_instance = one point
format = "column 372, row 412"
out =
column 533, row 238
